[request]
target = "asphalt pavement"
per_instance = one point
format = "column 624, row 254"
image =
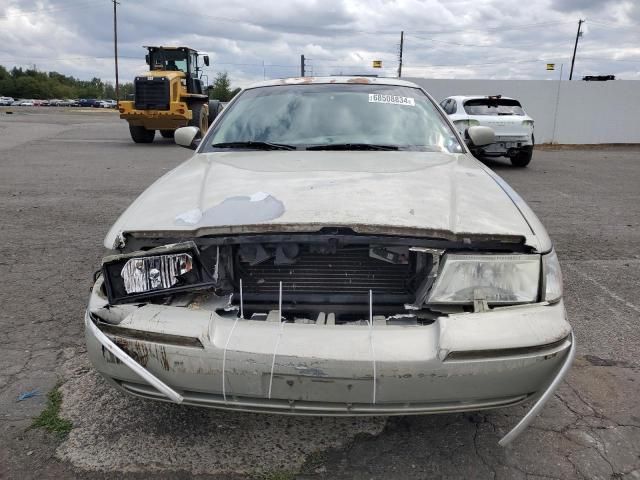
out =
column 65, row 176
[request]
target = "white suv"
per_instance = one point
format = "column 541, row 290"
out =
column 513, row 127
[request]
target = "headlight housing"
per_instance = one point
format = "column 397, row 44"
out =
column 552, row 277
column 159, row 271
column 500, row 279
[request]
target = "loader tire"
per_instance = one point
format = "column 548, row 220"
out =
column 214, row 109
column 200, row 117
column 167, row 133
column 141, row 134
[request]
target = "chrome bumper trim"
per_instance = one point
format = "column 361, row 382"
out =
column 540, row 403
column 152, row 380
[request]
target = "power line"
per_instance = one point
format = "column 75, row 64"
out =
column 129, row 57
column 53, row 9
column 490, row 29
column 610, row 25
column 456, row 44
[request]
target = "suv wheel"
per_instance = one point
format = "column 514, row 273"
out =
column 523, row 157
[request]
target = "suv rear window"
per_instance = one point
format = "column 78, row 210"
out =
column 493, row 106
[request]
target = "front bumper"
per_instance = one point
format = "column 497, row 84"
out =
column 461, row 362
column 178, row 115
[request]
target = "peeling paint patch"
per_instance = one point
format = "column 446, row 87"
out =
column 359, row 80
column 258, row 197
column 190, row 217
column 306, row 80
column 256, row 208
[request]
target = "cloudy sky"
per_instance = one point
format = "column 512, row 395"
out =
column 252, row 40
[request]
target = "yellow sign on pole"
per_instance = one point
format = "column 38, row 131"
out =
column 377, row 64
column 551, row 66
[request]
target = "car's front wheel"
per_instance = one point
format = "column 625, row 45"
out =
column 141, row 134
column 167, row 133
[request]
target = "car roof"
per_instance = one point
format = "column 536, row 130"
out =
column 476, row 97
column 335, row 79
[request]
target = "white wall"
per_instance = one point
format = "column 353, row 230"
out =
column 588, row 112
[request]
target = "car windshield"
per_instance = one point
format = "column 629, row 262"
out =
column 333, row 116
column 493, row 106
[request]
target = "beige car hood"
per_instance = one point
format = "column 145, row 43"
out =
column 412, row 193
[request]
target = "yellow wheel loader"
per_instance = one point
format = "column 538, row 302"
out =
column 171, row 95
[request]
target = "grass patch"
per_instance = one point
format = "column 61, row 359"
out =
column 50, row 418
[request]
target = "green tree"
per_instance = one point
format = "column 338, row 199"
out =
column 32, row 83
column 222, row 88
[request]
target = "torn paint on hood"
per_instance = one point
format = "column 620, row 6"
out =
column 376, row 191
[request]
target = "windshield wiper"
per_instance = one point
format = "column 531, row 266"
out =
column 352, row 146
column 254, row 145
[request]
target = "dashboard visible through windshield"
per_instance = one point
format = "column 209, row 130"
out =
column 333, row 117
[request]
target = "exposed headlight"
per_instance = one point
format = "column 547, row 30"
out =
column 159, row 271
column 552, row 277
column 142, row 274
column 500, row 279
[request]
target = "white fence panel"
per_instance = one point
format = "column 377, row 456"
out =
column 586, row 112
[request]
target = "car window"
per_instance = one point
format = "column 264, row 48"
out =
column 326, row 114
column 493, row 106
column 452, row 107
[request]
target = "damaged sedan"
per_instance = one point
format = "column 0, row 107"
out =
column 332, row 248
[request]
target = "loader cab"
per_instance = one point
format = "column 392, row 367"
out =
column 179, row 59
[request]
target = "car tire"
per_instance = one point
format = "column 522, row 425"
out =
column 167, row 133
column 200, row 117
column 523, row 158
column 141, row 134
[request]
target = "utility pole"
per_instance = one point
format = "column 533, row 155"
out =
column 302, row 65
column 400, row 54
column 575, row 47
column 115, row 45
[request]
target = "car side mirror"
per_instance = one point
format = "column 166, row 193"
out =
column 187, row 137
column 206, row 60
column 146, row 58
column 479, row 136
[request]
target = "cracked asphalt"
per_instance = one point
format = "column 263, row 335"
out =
column 64, row 178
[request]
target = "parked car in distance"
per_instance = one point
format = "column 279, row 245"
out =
column 512, row 126
column 87, row 102
column 6, row 101
column 107, row 103
column 23, row 103
column 331, row 248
